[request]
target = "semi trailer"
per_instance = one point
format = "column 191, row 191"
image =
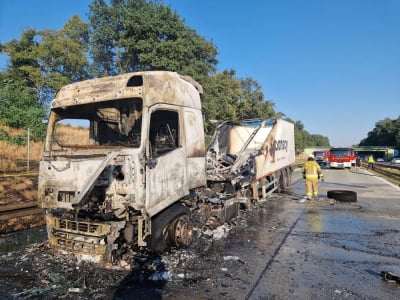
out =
column 139, row 173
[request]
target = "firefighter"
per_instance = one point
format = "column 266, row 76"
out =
column 311, row 173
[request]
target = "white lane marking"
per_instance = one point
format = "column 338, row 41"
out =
column 384, row 180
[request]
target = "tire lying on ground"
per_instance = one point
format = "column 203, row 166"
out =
column 342, row 195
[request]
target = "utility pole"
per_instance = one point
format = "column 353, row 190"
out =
column 27, row 162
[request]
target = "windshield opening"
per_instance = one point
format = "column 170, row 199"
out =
column 115, row 123
column 319, row 153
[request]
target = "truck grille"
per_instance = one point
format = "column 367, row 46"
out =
column 78, row 236
column 79, row 226
column 83, row 227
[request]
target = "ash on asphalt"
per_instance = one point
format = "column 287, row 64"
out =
column 206, row 269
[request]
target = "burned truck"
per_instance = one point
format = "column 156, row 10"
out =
column 138, row 173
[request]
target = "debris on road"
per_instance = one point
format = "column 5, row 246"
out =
column 229, row 257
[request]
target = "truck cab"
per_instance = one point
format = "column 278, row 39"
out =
column 141, row 148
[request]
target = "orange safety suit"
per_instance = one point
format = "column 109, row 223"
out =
column 311, row 173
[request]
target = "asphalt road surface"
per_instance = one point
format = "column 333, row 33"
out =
column 337, row 251
column 281, row 248
column 293, row 250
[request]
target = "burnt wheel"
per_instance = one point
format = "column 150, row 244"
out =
column 343, row 195
column 280, row 182
column 180, row 232
column 284, row 179
column 289, row 176
column 171, row 228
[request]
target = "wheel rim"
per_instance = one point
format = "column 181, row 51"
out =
column 180, row 233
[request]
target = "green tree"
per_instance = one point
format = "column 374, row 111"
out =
column 385, row 133
column 133, row 35
column 298, row 136
column 23, row 63
column 104, row 31
column 319, row 140
column 252, row 103
column 146, row 35
column 227, row 97
column 19, row 108
column 222, row 92
column 304, row 139
column 62, row 53
column 48, row 59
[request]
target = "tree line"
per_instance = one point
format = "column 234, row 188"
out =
column 385, row 133
column 125, row 36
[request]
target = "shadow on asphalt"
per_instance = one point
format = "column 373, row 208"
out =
column 146, row 281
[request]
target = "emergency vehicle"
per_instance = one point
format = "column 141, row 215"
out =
column 341, row 158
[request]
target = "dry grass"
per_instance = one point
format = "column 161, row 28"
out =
column 301, row 159
column 72, row 135
column 13, row 157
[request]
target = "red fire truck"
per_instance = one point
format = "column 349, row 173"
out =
column 341, row 158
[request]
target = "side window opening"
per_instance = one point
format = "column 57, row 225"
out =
column 164, row 132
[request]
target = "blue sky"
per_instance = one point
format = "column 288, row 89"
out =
column 332, row 64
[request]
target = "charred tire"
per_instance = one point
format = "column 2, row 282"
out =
column 289, row 176
column 343, row 195
column 279, row 182
column 284, row 179
column 171, row 228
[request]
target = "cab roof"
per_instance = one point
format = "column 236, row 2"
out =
column 152, row 86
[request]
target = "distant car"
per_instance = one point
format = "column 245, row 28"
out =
column 380, row 159
column 395, row 160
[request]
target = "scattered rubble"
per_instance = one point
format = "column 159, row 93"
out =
column 37, row 272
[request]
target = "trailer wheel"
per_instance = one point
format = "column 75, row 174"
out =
column 289, row 175
column 342, row 195
column 284, row 179
column 281, row 183
column 171, row 228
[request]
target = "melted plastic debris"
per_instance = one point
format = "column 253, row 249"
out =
column 218, row 233
column 229, row 257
